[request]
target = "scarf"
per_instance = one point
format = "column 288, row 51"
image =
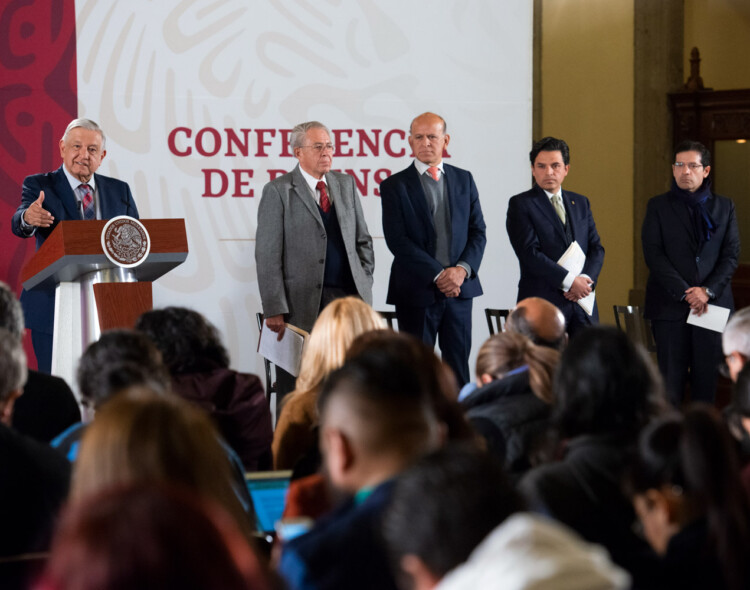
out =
column 703, row 225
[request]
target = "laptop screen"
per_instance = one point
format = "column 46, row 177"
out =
column 268, row 490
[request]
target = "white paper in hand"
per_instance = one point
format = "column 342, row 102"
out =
column 715, row 318
column 573, row 260
column 285, row 353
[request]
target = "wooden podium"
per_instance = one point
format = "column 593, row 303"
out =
column 93, row 294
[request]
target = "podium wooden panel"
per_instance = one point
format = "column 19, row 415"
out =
column 92, row 294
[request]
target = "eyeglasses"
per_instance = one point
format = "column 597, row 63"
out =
column 321, row 147
column 692, row 166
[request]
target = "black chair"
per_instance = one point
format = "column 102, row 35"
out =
column 390, row 318
column 629, row 319
column 496, row 319
column 270, row 384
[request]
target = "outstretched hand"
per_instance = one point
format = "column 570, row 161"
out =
column 37, row 215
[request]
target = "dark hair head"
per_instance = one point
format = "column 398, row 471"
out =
column 185, row 338
column 387, row 395
column 119, row 359
column 695, row 454
column 604, row 384
column 11, row 314
column 445, row 505
column 550, row 144
column 435, row 379
column 693, row 146
column 135, row 537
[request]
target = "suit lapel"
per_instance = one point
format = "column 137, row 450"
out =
column 334, row 190
column 415, row 193
column 67, row 197
column 302, row 189
column 542, row 202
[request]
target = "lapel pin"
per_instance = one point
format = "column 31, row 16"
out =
column 572, row 202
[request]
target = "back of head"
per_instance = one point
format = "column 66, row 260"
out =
column 741, row 399
column 736, row 336
column 149, row 537
column 119, row 358
column 695, row 455
column 605, row 385
column 13, row 372
column 506, row 351
column 444, row 505
column 376, row 402
column 186, row 339
column 540, row 321
column 143, row 436
column 340, row 322
column 11, row 313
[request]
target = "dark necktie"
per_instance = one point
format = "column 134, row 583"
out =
column 87, row 199
column 325, row 202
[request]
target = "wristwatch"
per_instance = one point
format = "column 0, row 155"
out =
column 709, row 292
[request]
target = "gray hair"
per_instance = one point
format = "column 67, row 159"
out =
column 736, row 336
column 13, row 371
column 300, row 132
column 84, row 124
column 11, row 313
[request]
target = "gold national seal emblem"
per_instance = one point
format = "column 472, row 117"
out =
column 125, row 241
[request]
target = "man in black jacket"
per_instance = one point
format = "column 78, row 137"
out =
column 691, row 245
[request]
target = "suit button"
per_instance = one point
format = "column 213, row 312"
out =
column 319, row 285
column 321, row 261
column 697, row 258
column 323, row 236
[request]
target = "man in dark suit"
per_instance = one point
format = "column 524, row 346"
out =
column 433, row 225
column 312, row 242
column 691, row 245
column 542, row 223
column 72, row 191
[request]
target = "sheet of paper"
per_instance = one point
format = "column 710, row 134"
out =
column 573, row 260
column 285, row 353
column 714, row 319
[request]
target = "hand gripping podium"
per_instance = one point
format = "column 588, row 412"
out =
column 93, row 293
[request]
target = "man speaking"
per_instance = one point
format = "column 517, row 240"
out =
column 73, row 191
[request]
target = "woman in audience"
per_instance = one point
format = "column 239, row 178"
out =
column 606, row 391
column 686, row 490
column 150, row 537
column 198, row 363
column 511, row 407
column 338, row 325
column 738, row 419
column 140, row 436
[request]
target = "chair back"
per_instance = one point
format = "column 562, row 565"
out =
column 390, row 318
column 496, row 319
column 629, row 319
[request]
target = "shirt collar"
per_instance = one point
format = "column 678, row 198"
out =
column 312, row 182
column 422, row 167
column 551, row 195
column 75, row 183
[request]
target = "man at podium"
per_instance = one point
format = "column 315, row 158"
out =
column 73, row 191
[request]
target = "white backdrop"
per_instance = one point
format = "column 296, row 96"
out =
column 166, row 80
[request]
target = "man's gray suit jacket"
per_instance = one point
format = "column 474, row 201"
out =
column 290, row 247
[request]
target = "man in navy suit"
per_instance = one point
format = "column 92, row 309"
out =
column 434, row 227
column 542, row 223
column 691, row 244
column 72, row 191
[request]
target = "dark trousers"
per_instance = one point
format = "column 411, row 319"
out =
column 687, row 352
column 449, row 322
column 576, row 319
column 42, row 343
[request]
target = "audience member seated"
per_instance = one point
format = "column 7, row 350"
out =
column 457, row 505
column 340, row 322
column 143, row 436
column 511, row 408
column 150, row 537
column 47, row 406
column 540, row 321
column 119, row 359
column 375, row 420
column 199, row 365
column 737, row 416
column 34, row 478
column 694, row 512
column 606, row 390
column 735, row 341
